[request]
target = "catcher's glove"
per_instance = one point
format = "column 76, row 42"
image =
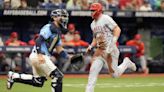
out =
column 77, row 61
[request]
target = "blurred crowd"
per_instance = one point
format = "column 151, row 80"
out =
column 113, row 5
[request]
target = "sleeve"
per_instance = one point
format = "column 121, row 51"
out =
column 110, row 23
column 94, row 34
column 23, row 43
column 45, row 31
column 83, row 43
column 129, row 43
column 38, row 43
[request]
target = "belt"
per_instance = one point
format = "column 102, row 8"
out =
column 45, row 54
column 35, row 51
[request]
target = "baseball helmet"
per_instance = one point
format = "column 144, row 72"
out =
column 97, row 9
column 61, row 13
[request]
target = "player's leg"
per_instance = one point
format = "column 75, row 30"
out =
column 57, row 79
column 93, row 73
column 52, row 71
column 35, row 80
column 24, row 78
column 119, row 70
column 143, row 64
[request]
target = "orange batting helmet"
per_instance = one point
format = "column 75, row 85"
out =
column 96, row 9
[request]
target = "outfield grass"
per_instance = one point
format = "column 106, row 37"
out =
column 146, row 84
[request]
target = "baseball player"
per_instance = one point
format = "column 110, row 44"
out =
column 49, row 38
column 140, row 55
column 106, row 32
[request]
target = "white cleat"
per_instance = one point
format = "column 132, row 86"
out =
column 131, row 65
column 10, row 80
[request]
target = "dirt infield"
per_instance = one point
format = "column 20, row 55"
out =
column 104, row 75
column 109, row 76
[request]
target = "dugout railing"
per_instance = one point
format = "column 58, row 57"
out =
column 71, row 50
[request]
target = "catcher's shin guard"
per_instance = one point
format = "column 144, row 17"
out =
column 56, row 83
column 24, row 78
column 28, row 79
column 35, row 81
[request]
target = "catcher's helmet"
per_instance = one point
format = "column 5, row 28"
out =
column 61, row 13
column 96, row 9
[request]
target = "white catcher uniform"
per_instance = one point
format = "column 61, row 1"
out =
column 105, row 25
column 41, row 68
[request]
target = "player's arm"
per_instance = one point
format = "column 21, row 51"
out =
column 116, row 33
column 93, row 44
column 112, row 25
column 93, row 41
column 44, row 34
column 38, row 41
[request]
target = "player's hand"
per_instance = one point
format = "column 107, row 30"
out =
column 89, row 49
column 41, row 59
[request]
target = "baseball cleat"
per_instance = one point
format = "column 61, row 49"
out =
column 10, row 80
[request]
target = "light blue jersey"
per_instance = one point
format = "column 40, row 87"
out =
column 51, row 40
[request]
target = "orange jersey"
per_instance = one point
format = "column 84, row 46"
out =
column 9, row 42
column 31, row 42
column 79, row 43
column 139, row 47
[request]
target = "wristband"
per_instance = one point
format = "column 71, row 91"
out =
column 115, row 38
column 90, row 46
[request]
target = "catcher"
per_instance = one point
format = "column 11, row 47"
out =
column 42, row 66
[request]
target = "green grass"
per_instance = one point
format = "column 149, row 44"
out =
column 150, row 84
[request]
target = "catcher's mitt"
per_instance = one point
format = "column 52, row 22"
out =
column 77, row 61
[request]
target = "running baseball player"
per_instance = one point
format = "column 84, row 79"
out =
column 106, row 33
column 42, row 66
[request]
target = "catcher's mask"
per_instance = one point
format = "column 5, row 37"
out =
column 63, row 15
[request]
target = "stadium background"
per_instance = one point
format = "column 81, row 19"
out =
column 27, row 21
